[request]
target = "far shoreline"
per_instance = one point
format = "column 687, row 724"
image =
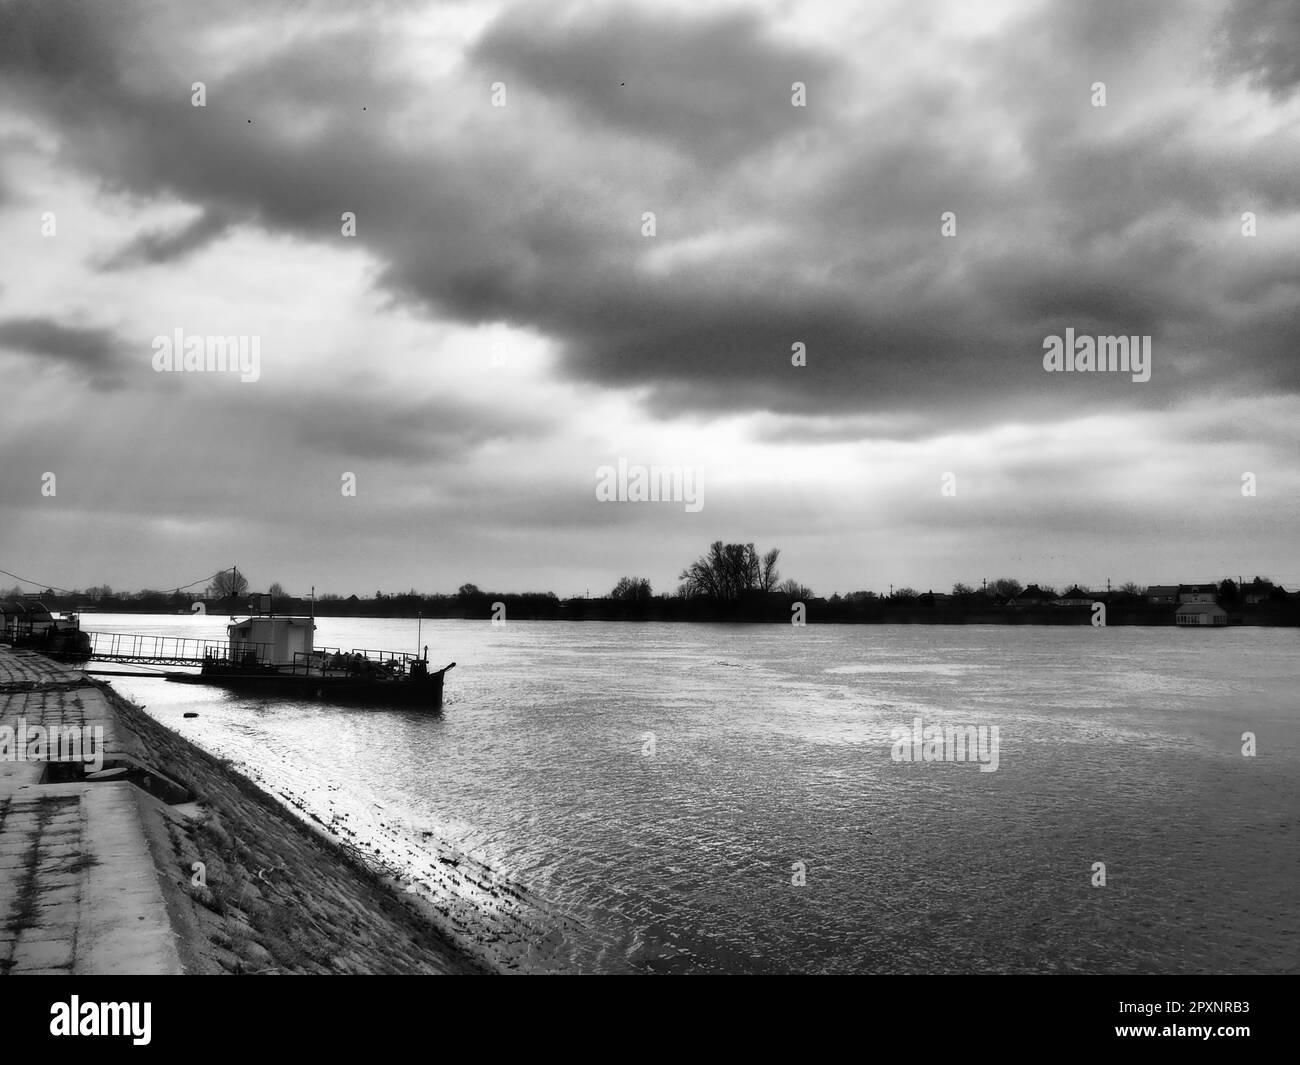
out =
column 817, row 612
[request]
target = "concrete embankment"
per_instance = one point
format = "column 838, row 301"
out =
column 98, row 869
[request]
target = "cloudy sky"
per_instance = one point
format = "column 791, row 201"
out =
column 501, row 325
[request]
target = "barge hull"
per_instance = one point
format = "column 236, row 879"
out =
column 351, row 691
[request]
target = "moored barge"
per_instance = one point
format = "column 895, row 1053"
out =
column 275, row 656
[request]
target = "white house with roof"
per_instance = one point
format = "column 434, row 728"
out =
column 1195, row 614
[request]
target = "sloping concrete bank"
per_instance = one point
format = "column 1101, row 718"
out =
column 277, row 897
column 168, row 861
column 79, row 893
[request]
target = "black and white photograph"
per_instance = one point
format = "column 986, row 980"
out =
column 791, row 487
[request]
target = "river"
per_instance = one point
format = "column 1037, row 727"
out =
column 603, row 797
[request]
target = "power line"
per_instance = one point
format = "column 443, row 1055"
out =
column 69, row 591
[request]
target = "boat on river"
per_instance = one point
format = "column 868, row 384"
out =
column 276, row 656
column 28, row 624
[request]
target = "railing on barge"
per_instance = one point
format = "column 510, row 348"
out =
column 129, row 648
column 325, row 660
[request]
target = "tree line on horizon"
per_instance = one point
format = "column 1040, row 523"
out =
column 730, row 576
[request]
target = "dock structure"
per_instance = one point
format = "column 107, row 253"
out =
column 134, row 648
column 79, row 890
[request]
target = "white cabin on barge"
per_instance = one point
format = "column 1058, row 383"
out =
column 272, row 640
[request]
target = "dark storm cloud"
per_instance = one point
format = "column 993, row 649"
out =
column 90, row 356
column 159, row 246
column 1107, row 31
column 1069, row 216
column 82, row 349
column 411, row 433
column 1261, row 40
column 713, row 86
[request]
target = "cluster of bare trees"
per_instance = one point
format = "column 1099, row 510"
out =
column 730, row 571
column 727, row 573
column 632, row 590
column 1010, row 588
column 1004, row 586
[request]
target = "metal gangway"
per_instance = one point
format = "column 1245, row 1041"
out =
column 135, row 649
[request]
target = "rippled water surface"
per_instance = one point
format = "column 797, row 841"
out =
column 605, row 797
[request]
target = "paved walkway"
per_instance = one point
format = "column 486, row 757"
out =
column 79, row 891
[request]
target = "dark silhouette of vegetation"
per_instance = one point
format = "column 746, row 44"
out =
column 632, row 590
column 228, row 584
column 730, row 572
column 730, row 582
column 796, row 592
column 1006, row 586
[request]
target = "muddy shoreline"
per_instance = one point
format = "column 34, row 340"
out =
column 272, row 896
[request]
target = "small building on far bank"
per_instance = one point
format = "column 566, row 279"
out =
column 1076, row 596
column 1200, row 614
column 1257, row 591
column 1033, row 596
column 1162, row 594
column 933, row 598
column 1197, row 593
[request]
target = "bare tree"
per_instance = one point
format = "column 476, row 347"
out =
column 228, row 584
column 631, row 589
column 730, row 571
column 706, row 575
column 1007, row 586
